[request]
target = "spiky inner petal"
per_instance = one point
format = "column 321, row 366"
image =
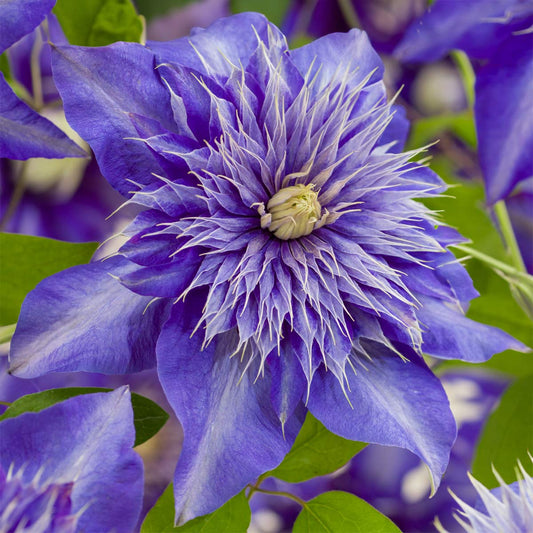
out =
column 277, row 135
column 292, row 212
column 36, row 505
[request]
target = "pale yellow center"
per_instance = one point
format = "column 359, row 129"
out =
column 294, row 211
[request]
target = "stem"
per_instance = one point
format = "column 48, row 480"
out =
column 508, row 235
column 504, row 267
column 36, row 80
column 349, row 13
column 7, row 404
column 292, row 497
column 467, row 75
column 16, row 197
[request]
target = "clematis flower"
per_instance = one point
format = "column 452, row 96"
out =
column 383, row 20
column 281, row 263
column 498, row 36
column 25, row 133
column 64, row 198
column 507, row 508
column 71, row 467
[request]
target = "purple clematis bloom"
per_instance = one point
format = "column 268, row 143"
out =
column 507, row 508
column 383, row 20
column 281, row 262
column 64, row 198
column 71, row 467
column 25, row 133
column 498, row 35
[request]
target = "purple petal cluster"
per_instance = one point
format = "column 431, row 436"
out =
column 71, row 468
column 383, row 20
column 281, row 262
column 507, row 508
column 25, row 132
column 498, row 36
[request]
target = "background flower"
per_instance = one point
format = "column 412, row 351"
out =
column 25, row 133
column 498, row 36
column 506, row 508
column 71, row 468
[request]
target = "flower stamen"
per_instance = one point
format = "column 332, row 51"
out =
column 292, row 212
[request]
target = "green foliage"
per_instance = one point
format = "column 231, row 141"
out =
column 232, row 517
column 464, row 209
column 26, row 260
column 274, row 11
column 151, row 8
column 315, row 452
column 337, row 511
column 98, row 22
column 4, row 66
column 430, row 129
column 160, row 519
column 507, row 436
column 148, row 417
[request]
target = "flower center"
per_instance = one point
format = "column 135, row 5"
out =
column 292, row 212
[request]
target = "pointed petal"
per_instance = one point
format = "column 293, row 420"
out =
column 82, row 319
column 233, row 39
column 87, row 440
column 99, row 88
column 471, row 26
column 19, row 17
column 232, row 433
column 395, row 403
column 448, row 334
column 504, row 119
column 27, row 134
column 330, row 57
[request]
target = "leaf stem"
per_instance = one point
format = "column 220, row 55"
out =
column 292, row 497
column 349, row 13
column 35, row 67
column 467, row 75
column 509, row 238
column 495, row 263
column 16, row 196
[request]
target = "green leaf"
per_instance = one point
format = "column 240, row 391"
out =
column 233, row 517
column 148, row 417
column 315, row 452
column 26, row 260
column 160, row 519
column 151, row 8
column 98, row 22
column 6, row 332
column 429, row 129
column 274, row 11
column 507, row 436
column 336, row 512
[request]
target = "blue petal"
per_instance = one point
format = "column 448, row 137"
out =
column 394, row 403
column 228, row 41
column 82, row 319
column 232, row 433
column 99, row 87
column 397, row 131
column 504, row 118
column 472, row 26
column 330, row 57
column 448, row 334
column 87, row 440
column 27, row 134
column 19, row 17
